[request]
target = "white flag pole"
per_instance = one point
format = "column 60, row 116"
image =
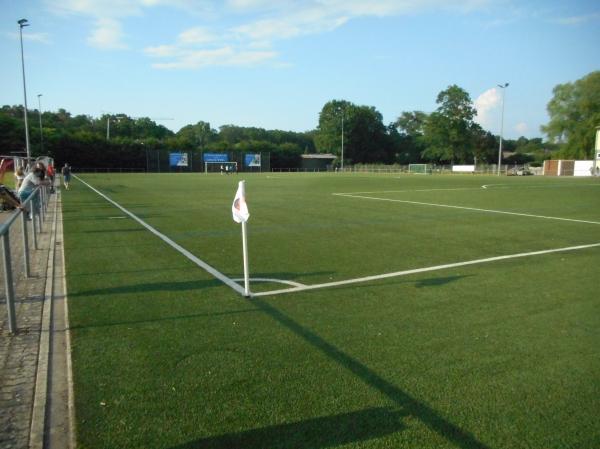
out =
column 245, row 251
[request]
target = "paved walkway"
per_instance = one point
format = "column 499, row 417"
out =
column 26, row 355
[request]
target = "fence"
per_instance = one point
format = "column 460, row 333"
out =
column 491, row 169
column 19, row 234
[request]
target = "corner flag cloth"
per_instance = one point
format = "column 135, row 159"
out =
column 239, row 208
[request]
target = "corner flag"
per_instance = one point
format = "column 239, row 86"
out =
column 239, row 208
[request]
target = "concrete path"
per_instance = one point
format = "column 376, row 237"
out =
column 35, row 381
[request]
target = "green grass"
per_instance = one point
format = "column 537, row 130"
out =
column 497, row 355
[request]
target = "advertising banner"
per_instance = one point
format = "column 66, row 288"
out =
column 252, row 160
column 215, row 157
column 178, row 159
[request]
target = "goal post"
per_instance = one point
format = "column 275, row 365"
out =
column 419, row 169
column 224, row 168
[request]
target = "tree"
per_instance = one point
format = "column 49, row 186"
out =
column 410, row 143
column 366, row 138
column 574, row 115
column 198, row 135
column 328, row 138
column 449, row 131
column 485, row 145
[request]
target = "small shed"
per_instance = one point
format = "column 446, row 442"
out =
column 318, row 161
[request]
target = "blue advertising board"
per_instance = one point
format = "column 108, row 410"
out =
column 252, row 160
column 178, row 159
column 215, row 157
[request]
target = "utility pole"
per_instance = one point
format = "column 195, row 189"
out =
column 23, row 23
column 503, row 87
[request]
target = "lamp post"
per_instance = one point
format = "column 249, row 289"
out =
column 41, row 132
column 343, row 113
column 503, row 87
column 23, row 23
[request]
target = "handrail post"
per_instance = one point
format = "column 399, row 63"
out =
column 38, row 205
column 33, row 227
column 8, row 284
column 25, row 243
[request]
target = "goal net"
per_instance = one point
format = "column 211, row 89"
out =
column 420, row 169
column 225, row 168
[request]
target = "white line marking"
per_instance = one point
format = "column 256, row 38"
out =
column 467, row 208
column 423, row 270
column 114, row 218
column 410, row 190
column 217, row 274
column 277, row 281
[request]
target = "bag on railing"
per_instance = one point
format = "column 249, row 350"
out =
column 8, row 199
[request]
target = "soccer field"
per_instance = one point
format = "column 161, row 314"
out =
column 389, row 311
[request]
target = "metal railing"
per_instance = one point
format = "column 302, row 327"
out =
column 16, row 256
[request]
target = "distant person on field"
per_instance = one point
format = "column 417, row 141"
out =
column 66, row 173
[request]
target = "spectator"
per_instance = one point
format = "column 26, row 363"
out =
column 50, row 173
column 19, row 176
column 30, row 182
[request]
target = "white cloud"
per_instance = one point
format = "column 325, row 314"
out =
column 43, row 38
column 96, row 8
column 197, row 35
column 107, row 35
column 253, row 26
column 223, row 56
column 576, row 20
column 485, row 104
column 522, row 128
column 162, row 51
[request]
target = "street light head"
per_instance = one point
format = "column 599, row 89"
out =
column 23, row 23
column 39, row 95
column 502, row 86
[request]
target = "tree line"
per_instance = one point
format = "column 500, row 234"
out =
column 447, row 135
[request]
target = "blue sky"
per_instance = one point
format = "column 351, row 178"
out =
column 274, row 64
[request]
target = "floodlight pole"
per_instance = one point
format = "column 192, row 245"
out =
column 41, row 132
column 343, row 113
column 503, row 87
column 23, row 23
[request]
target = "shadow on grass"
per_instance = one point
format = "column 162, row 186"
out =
column 159, row 269
column 118, row 231
column 328, row 431
column 438, row 281
column 170, row 318
column 421, row 283
column 151, row 288
column 411, row 406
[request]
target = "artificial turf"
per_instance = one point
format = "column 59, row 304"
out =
column 497, row 355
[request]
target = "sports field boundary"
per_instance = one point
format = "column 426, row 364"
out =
column 424, row 270
column 450, row 206
column 297, row 287
column 208, row 268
